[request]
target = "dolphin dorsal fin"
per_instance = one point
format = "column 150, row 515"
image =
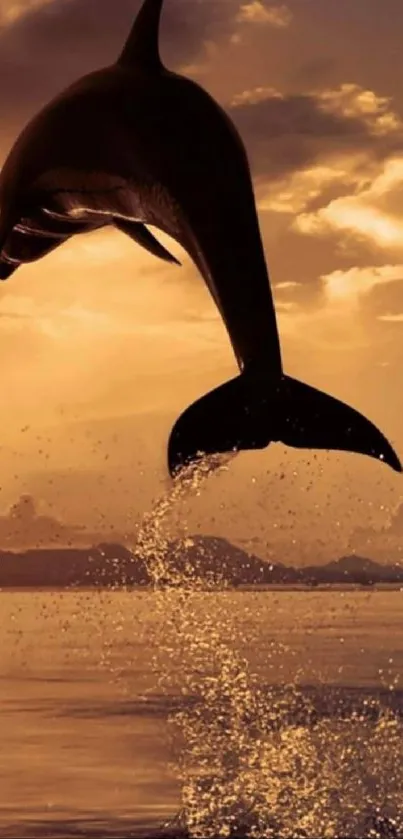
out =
column 141, row 48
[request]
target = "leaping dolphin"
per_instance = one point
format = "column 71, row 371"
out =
column 135, row 144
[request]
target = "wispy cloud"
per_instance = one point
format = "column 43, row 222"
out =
column 367, row 214
column 295, row 192
column 332, row 324
column 255, row 95
column 396, row 318
column 303, row 146
column 348, row 286
column 10, row 12
column 354, row 101
column 256, row 12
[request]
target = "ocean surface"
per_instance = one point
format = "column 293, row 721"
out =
column 232, row 710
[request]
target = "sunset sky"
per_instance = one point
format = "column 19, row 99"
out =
column 102, row 346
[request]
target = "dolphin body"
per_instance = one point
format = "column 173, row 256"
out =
column 135, row 144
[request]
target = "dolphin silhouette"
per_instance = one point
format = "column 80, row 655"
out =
column 135, row 144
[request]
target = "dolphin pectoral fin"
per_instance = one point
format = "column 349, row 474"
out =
column 141, row 234
column 244, row 415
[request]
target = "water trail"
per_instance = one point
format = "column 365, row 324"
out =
column 253, row 760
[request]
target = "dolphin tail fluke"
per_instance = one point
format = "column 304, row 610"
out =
column 238, row 416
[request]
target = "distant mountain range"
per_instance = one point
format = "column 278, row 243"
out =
column 213, row 560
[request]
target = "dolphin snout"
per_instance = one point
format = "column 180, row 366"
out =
column 6, row 269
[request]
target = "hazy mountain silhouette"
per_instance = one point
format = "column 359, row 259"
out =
column 22, row 527
column 354, row 564
column 211, row 559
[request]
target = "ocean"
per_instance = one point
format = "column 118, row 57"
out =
column 219, row 713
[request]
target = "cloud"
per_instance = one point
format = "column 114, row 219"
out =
column 351, row 215
column 359, row 298
column 254, row 96
column 23, row 527
column 11, row 11
column 294, row 192
column 351, row 100
column 53, row 320
column 320, row 328
column 285, row 306
column 325, row 163
column 287, row 134
column 349, row 285
column 398, row 318
column 331, row 325
column 371, row 214
column 258, row 13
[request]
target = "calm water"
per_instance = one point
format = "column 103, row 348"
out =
column 119, row 709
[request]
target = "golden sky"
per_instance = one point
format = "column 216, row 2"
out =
column 102, row 347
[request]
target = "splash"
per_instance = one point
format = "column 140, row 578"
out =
column 255, row 760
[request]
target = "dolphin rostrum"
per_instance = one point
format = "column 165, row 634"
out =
column 134, row 144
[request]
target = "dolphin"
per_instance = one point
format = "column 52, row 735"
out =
column 134, row 144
